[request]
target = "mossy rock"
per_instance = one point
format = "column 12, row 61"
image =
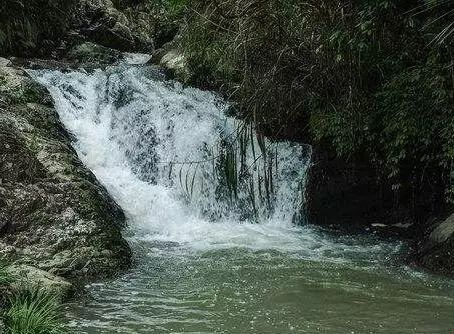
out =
column 55, row 215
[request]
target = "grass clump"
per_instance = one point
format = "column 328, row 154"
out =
column 5, row 277
column 34, row 310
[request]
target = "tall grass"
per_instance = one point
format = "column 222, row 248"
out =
column 5, row 277
column 34, row 311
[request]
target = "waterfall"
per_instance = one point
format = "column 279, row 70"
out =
column 182, row 169
column 215, row 219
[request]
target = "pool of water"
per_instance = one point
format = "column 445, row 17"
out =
column 175, row 289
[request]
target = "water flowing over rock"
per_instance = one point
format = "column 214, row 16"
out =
column 181, row 169
column 54, row 215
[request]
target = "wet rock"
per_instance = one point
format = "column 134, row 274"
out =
column 172, row 59
column 55, row 215
column 101, row 22
column 90, row 53
column 28, row 276
column 436, row 251
column 4, row 62
column 348, row 194
column 175, row 62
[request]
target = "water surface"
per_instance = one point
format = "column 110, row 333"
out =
column 213, row 259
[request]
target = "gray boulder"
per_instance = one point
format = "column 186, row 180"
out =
column 54, row 214
column 28, row 276
column 101, row 22
column 436, row 251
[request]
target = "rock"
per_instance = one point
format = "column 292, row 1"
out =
column 4, row 62
column 435, row 252
column 101, row 22
column 28, row 276
column 90, row 53
column 175, row 62
column 172, row 59
column 443, row 231
column 351, row 194
column 347, row 194
column 55, row 215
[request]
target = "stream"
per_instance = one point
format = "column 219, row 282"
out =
column 216, row 224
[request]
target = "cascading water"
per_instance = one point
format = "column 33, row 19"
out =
column 212, row 208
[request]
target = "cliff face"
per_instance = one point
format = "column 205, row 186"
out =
column 54, row 214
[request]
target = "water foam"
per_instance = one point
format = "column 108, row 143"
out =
column 133, row 130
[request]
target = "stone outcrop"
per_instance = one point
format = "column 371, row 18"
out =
column 352, row 194
column 435, row 251
column 27, row 276
column 54, row 214
column 348, row 193
column 103, row 23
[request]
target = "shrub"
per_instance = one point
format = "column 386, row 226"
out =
column 362, row 78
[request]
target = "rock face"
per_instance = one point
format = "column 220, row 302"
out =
column 54, row 214
column 90, row 53
column 351, row 194
column 347, row 194
column 27, row 276
column 101, row 22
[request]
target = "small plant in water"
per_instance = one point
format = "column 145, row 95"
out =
column 34, row 310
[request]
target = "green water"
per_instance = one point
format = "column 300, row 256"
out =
column 357, row 286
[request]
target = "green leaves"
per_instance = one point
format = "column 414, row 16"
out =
column 34, row 311
column 5, row 277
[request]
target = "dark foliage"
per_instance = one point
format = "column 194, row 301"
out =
column 27, row 26
column 369, row 80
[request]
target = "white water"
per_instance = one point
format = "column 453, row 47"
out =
column 208, row 263
column 133, row 130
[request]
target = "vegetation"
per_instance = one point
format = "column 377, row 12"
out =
column 28, row 310
column 369, row 80
column 5, row 278
column 29, row 25
column 34, row 311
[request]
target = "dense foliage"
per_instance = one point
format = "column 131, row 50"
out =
column 366, row 79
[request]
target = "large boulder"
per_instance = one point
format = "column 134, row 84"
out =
column 435, row 251
column 54, row 214
column 101, row 22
